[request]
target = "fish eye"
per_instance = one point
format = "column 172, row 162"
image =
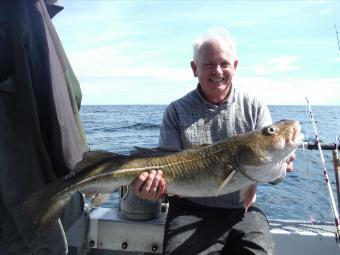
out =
column 271, row 130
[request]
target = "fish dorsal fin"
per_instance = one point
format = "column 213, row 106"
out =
column 158, row 151
column 225, row 182
column 91, row 158
column 200, row 146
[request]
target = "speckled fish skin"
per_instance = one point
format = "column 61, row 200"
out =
column 229, row 165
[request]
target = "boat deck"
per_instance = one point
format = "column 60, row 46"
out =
column 108, row 233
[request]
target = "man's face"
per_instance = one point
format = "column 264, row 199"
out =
column 215, row 68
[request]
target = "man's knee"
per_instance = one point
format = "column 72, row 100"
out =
column 251, row 235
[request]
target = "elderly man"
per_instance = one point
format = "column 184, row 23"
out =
column 213, row 111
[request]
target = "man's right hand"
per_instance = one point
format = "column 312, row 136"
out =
column 149, row 186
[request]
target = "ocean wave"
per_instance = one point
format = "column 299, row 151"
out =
column 137, row 126
column 141, row 126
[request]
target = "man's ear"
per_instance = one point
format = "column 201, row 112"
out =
column 235, row 64
column 194, row 68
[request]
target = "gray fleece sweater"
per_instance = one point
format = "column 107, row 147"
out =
column 192, row 120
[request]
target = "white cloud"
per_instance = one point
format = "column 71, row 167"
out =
column 120, row 61
column 278, row 64
column 322, row 91
column 115, row 65
column 326, row 11
column 243, row 23
column 174, row 74
column 117, row 90
column 120, row 91
column 123, row 52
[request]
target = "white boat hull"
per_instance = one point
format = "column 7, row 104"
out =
column 107, row 233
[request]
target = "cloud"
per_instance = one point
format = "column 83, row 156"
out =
column 122, row 91
column 243, row 23
column 322, row 91
column 326, row 11
column 135, row 52
column 128, row 73
column 122, row 60
column 278, row 64
column 289, row 91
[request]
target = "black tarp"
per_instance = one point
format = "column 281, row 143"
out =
column 41, row 135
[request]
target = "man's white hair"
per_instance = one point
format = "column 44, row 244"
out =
column 218, row 33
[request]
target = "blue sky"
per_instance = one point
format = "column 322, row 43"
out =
column 139, row 52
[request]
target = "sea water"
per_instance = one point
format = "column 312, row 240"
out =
column 302, row 195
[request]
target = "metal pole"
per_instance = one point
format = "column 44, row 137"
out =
column 324, row 146
column 336, row 163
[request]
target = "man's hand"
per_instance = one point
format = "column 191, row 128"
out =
column 149, row 186
column 290, row 164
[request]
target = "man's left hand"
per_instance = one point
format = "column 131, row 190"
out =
column 290, row 164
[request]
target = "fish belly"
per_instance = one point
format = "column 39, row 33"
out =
column 207, row 187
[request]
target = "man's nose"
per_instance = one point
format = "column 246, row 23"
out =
column 218, row 69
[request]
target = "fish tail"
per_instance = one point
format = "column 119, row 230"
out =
column 43, row 209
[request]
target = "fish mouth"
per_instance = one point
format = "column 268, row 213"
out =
column 296, row 137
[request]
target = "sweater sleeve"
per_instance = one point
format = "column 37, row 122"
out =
column 263, row 116
column 170, row 135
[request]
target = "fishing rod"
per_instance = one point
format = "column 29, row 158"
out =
column 330, row 192
column 337, row 37
column 324, row 146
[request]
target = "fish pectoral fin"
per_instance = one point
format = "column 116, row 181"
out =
column 225, row 182
column 96, row 198
column 248, row 195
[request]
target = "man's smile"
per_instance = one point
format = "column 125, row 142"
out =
column 216, row 79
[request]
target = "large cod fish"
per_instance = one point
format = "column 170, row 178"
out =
column 229, row 165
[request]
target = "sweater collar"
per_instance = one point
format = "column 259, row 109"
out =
column 227, row 101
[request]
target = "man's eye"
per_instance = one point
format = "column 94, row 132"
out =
column 225, row 65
